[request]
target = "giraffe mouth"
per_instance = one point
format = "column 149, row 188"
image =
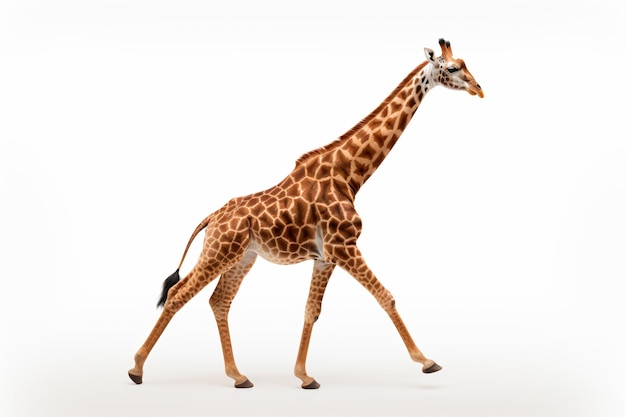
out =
column 475, row 90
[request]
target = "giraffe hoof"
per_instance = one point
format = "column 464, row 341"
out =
column 137, row 379
column 245, row 384
column 432, row 369
column 312, row 385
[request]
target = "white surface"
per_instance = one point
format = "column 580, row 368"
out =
column 498, row 224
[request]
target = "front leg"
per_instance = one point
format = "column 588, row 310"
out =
column 350, row 259
column 321, row 274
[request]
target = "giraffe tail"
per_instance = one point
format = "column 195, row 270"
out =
column 167, row 284
column 175, row 277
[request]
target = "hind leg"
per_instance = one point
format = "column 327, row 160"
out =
column 319, row 280
column 225, row 244
column 220, row 302
column 178, row 296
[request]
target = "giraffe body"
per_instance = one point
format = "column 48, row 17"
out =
column 309, row 215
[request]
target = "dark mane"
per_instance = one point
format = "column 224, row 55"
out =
column 366, row 120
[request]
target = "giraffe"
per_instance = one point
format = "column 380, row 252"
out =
column 309, row 215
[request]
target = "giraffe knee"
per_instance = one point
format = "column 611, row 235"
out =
column 312, row 315
column 214, row 302
column 219, row 307
column 311, row 318
column 173, row 304
column 389, row 305
column 387, row 302
column 176, row 299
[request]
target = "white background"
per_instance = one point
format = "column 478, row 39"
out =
column 498, row 224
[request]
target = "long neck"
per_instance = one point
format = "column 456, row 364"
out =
column 357, row 154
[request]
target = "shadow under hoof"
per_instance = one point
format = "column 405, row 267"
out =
column 313, row 385
column 137, row 379
column 245, row 384
column 432, row 369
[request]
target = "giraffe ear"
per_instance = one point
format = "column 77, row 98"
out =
column 430, row 55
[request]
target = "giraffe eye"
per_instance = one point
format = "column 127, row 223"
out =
column 452, row 69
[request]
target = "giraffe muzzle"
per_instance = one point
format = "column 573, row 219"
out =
column 475, row 90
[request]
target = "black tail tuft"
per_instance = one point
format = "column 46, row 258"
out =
column 167, row 284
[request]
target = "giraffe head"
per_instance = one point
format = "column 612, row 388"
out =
column 452, row 72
